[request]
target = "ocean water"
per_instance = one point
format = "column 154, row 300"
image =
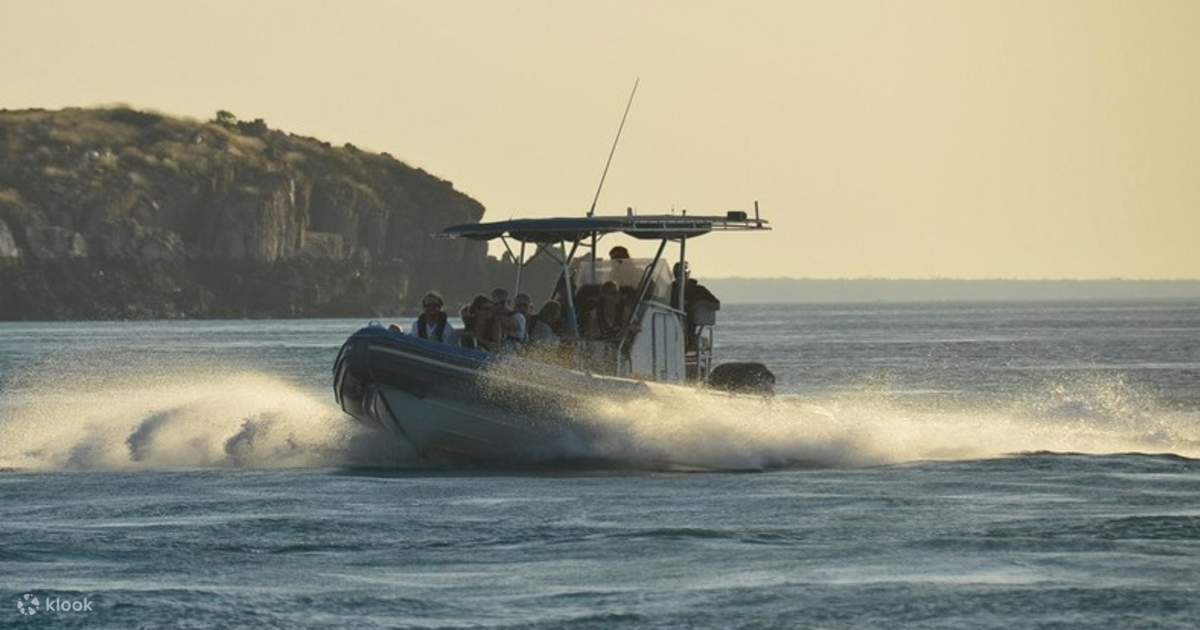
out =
column 1030, row 465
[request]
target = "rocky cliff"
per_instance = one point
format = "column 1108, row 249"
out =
column 118, row 213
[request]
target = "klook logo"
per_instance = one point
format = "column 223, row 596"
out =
column 29, row 605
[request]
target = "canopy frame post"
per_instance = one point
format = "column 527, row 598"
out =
column 572, row 316
column 681, row 275
column 520, row 266
column 593, row 257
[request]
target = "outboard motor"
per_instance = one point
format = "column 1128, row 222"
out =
column 743, row 378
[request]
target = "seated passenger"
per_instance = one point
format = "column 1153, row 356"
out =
column 500, row 297
column 467, row 315
column 542, row 325
column 485, row 326
column 432, row 324
column 585, row 296
column 609, row 315
column 511, row 322
column 523, row 305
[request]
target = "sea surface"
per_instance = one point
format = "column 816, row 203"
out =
column 1015, row 465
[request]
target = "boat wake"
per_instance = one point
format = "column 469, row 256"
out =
column 876, row 427
column 208, row 418
column 183, row 420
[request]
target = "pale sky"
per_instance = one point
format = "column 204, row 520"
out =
column 1039, row 139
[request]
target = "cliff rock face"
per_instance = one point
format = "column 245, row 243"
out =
column 122, row 213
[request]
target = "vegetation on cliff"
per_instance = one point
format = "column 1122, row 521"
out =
column 119, row 213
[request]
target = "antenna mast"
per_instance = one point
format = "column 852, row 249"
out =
column 614, row 148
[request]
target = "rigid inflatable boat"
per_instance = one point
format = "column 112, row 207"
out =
column 455, row 404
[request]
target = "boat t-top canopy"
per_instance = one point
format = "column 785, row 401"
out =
column 573, row 229
column 550, row 234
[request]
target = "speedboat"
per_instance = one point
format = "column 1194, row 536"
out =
column 458, row 404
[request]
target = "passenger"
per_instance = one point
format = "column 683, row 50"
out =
column 467, row 314
column 624, row 271
column 542, row 325
column 586, row 298
column 500, row 297
column 609, row 315
column 523, row 304
column 511, row 322
column 433, row 324
column 693, row 291
column 485, row 329
column 695, row 295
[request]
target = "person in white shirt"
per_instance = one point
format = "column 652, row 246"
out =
column 624, row 272
column 511, row 322
column 433, row 324
column 522, row 305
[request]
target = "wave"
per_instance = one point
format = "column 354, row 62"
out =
column 188, row 419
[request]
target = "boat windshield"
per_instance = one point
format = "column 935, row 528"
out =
column 626, row 272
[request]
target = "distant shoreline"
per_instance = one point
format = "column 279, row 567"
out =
column 832, row 290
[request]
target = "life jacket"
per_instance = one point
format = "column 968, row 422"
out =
column 439, row 329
